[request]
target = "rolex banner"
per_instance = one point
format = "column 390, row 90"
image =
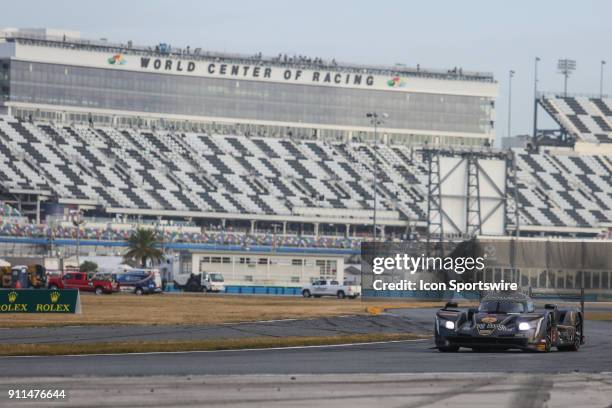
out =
column 39, row 301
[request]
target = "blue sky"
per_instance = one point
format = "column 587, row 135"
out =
column 476, row 35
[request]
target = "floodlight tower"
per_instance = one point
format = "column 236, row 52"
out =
column 510, row 76
column 77, row 220
column 376, row 119
column 565, row 68
column 535, row 99
column 601, row 76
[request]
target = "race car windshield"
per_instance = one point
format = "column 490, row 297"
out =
column 501, row 307
column 216, row 277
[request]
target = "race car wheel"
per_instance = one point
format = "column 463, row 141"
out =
column 575, row 346
column 139, row 291
column 548, row 345
column 306, row 293
column 99, row 290
column 340, row 294
column 448, row 349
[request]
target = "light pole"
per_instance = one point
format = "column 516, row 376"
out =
column 375, row 119
column 565, row 68
column 535, row 99
column 510, row 76
column 601, row 68
column 275, row 227
column 51, row 224
column 77, row 221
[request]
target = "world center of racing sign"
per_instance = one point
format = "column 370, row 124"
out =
column 39, row 301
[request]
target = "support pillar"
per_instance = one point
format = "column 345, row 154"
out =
column 37, row 209
column 340, row 270
column 195, row 263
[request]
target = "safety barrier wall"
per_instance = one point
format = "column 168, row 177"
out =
column 434, row 295
column 589, row 296
column 251, row 290
column 263, row 290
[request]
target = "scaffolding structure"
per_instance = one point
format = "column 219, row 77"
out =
column 475, row 174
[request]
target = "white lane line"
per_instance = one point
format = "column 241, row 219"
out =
column 259, row 321
column 287, row 320
column 223, row 351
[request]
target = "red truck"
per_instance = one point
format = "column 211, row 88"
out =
column 82, row 282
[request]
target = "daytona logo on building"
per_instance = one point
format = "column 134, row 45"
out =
column 117, row 59
column 396, row 82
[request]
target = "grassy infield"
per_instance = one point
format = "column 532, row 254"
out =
column 203, row 345
column 196, row 309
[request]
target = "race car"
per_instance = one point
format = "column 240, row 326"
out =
column 508, row 321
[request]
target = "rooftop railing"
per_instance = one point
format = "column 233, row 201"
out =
column 280, row 60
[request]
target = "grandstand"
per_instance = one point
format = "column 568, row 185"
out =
column 232, row 177
column 564, row 189
column 584, row 118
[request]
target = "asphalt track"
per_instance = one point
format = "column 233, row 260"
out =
column 329, row 326
column 394, row 357
column 406, row 374
column 469, row 390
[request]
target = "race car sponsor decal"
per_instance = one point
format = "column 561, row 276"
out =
column 492, row 326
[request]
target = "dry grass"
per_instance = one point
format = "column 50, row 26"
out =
column 598, row 315
column 202, row 345
column 188, row 309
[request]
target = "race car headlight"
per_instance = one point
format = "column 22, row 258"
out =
column 449, row 325
column 524, row 326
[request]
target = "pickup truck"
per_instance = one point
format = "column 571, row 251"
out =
column 82, row 282
column 324, row 287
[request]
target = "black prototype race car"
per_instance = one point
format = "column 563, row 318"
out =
column 509, row 321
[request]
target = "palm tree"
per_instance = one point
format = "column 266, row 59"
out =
column 143, row 244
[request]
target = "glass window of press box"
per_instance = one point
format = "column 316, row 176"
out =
column 195, row 96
